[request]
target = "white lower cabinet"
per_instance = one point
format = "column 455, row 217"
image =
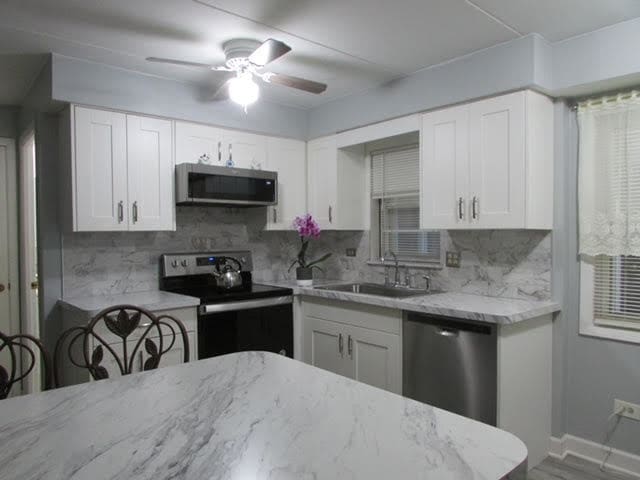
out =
column 71, row 375
column 358, row 341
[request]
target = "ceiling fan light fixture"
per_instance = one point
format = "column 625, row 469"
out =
column 243, row 90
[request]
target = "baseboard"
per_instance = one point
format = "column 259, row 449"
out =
column 619, row 460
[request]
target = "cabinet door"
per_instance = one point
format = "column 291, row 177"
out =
column 198, row 144
column 175, row 356
column 244, row 150
column 497, row 162
column 151, row 174
column 325, row 345
column 374, row 358
column 288, row 158
column 322, row 181
column 100, row 176
column 444, row 168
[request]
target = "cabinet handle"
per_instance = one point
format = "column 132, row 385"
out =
column 460, row 208
column 120, row 211
column 219, row 152
column 340, row 344
column 145, row 325
column 350, row 346
column 330, row 214
column 474, row 212
column 230, row 156
column 135, row 211
column 275, row 215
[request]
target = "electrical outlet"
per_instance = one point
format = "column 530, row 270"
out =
column 626, row 409
column 453, row 259
column 351, row 252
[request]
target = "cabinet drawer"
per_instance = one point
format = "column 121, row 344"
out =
column 356, row 314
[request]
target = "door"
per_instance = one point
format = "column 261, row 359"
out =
column 325, row 344
column 197, row 143
column 150, row 174
column 288, row 158
column 244, row 150
column 375, row 358
column 444, row 168
column 497, row 162
column 100, row 163
column 322, row 181
column 9, row 286
column 29, row 286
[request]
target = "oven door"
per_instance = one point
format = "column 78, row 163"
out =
column 214, row 185
column 260, row 325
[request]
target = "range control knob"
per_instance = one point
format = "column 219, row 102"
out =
column 174, row 263
column 184, row 263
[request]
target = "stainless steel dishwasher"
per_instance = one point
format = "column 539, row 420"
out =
column 451, row 364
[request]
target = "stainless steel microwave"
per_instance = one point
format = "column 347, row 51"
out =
column 198, row 184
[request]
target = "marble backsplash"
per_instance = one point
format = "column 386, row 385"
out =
column 506, row 263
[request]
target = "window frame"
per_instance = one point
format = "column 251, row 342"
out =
column 375, row 227
column 588, row 326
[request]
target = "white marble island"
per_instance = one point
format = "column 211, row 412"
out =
column 245, row 416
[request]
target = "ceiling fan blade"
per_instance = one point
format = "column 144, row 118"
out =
column 180, row 62
column 295, row 82
column 269, row 51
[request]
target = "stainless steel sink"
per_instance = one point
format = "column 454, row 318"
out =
column 375, row 289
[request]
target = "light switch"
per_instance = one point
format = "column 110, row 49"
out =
column 453, row 259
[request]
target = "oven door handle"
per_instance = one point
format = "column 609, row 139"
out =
column 244, row 305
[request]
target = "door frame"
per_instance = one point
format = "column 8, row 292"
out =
column 30, row 318
column 13, row 286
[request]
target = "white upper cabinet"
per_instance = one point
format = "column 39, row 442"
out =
column 497, row 175
column 122, row 171
column 488, row 164
column 244, row 150
column 288, row 158
column 337, row 185
column 196, row 143
column 100, row 195
column 151, row 172
column 444, row 165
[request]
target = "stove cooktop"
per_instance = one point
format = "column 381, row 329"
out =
column 209, row 295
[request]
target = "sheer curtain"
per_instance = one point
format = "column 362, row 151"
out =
column 609, row 176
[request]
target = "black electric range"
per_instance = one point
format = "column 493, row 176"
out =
column 248, row 317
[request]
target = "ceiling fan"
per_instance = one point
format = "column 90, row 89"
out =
column 246, row 58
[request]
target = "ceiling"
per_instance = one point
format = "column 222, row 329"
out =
column 351, row 45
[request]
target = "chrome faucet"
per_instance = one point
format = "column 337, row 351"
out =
column 396, row 280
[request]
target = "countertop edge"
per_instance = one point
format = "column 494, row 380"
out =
column 171, row 301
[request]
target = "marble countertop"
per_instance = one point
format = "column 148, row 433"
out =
column 154, row 301
column 247, row 415
column 498, row 310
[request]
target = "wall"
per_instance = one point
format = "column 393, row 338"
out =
column 8, row 122
column 503, row 263
column 595, row 370
column 84, row 82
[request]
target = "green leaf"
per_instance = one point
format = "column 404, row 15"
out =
column 319, row 260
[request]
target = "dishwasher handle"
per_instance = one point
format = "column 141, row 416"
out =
column 447, row 332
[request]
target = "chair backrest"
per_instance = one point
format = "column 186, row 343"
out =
column 109, row 332
column 21, row 352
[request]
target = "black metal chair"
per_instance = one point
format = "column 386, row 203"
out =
column 157, row 334
column 18, row 348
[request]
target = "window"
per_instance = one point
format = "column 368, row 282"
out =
column 609, row 217
column 395, row 200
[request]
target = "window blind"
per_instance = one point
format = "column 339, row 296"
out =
column 616, row 293
column 395, row 193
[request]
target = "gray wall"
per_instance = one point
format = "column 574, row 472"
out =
column 80, row 81
column 508, row 66
column 8, row 122
column 588, row 372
